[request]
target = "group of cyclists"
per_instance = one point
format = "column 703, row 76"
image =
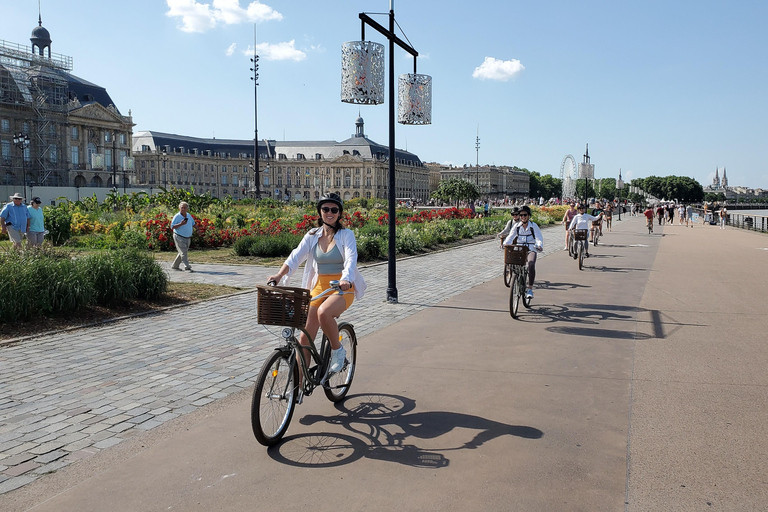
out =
column 521, row 230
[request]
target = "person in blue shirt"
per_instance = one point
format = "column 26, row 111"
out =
column 36, row 230
column 182, row 225
column 14, row 218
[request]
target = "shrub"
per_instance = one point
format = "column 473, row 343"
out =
column 123, row 275
column 271, row 246
column 408, row 241
column 58, row 222
column 243, row 245
column 370, row 247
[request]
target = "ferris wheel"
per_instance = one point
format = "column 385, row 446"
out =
column 568, row 177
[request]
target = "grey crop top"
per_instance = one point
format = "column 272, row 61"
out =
column 331, row 262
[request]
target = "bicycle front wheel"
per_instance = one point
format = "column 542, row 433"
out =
column 581, row 255
column 515, row 292
column 339, row 383
column 507, row 275
column 274, row 397
column 526, row 300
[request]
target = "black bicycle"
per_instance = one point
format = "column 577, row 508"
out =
column 578, row 247
column 515, row 265
column 277, row 388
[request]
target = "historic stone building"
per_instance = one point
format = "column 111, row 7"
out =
column 57, row 129
column 494, row 182
column 290, row 170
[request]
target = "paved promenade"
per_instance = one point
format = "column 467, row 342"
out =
column 637, row 384
column 69, row 395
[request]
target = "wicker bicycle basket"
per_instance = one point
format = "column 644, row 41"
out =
column 515, row 254
column 284, row 305
column 580, row 234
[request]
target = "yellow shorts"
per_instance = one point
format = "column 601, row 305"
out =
column 323, row 283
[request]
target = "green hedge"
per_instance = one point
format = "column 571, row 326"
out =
column 49, row 281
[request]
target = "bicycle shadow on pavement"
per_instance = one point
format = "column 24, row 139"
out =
column 384, row 427
column 661, row 324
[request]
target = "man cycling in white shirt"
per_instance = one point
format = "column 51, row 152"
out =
column 527, row 233
column 583, row 220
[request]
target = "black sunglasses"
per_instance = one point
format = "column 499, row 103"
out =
column 524, row 215
column 327, row 209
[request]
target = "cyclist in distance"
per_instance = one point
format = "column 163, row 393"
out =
column 515, row 212
column 648, row 216
column 527, row 233
column 330, row 252
column 583, row 220
column 567, row 218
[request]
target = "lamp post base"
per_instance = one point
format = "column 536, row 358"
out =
column 392, row 295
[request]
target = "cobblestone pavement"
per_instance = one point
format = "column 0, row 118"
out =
column 68, row 395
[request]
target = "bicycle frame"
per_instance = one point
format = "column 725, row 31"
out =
column 316, row 378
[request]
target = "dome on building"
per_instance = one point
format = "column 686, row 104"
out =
column 40, row 38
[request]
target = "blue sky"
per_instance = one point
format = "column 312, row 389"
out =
column 655, row 87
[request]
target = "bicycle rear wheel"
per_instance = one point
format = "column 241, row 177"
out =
column 274, row 397
column 515, row 292
column 507, row 275
column 581, row 255
column 597, row 236
column 339, row 383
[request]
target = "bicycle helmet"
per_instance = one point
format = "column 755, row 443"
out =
column 515, row 211
column 525, row 209
column 579, row 206
column 330, row 198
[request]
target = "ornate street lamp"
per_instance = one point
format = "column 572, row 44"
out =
column 255, row 78
column 362, row 82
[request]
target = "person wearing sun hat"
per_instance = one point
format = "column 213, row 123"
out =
column 36, row 230
column 15, row 219
column 330, row 253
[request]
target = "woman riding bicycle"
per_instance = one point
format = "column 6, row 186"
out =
column 582, row 220
column 527, row 233
column 330, row 252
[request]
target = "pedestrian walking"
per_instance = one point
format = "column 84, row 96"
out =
column 15, row 219
column 183, row 226
column 36, row 231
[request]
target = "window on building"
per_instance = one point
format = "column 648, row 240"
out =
column 288, row 180
column 234, row 180
column 5, row 125
column 224, row 180
column 123, row 139
column 357, row 181
column 347, row 181
column 6, row 152
column 74, row 155
column 223, row 168
column 108, row 158
column 368, row 181
column 338, row 181
column 107, row 136
column 74, row 133
column 306, row 181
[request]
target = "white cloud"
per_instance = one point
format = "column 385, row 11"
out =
column 231, row 49
column 201, row 17
column 279, row 51
column 495, row 69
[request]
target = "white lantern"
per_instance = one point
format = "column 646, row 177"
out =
column 362, row 72
column 414, row 99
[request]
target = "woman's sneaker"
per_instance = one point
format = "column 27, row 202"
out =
column 337, row 359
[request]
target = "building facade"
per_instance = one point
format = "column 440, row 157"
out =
column 57, row 129
column 289, row 170
column 494, row 182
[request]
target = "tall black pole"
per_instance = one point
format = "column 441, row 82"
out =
column 255, row 79
column 392, row 280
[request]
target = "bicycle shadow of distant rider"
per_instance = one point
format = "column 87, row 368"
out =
column 383, row 425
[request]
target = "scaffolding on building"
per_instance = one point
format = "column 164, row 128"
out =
column 37, row 88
